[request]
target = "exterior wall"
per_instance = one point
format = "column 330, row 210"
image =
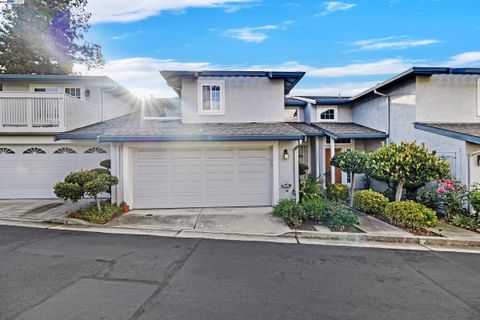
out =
column 247, row 99
column 300, row 113
column 115, row 105
column 344, row 113
column 447, row 98
column 473, row 154
column 283, row 170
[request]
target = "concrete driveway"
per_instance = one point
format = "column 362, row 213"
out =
column 252, row 220
column 37, row 209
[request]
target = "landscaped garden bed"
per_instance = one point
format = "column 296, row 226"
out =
column 107, row 213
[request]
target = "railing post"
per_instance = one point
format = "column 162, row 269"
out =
column 29, row 102
column 61, row 112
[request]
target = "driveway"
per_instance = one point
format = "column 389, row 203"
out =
column 252, row 220
column 37, row 209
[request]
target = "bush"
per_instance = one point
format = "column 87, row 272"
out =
column 309, row 188
column 474, row 199
column 340, row 218
column 466, row 222
column 91, row 213
column 316, row 209
column 411, row 214
column 290, row 211
column 338, row 192
column 370, row 202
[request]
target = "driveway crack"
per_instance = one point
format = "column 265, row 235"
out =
column 198, row 218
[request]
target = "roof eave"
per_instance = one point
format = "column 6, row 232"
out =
column 447, row 133
column 140, row 138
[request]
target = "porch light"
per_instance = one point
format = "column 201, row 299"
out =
column 285, row 154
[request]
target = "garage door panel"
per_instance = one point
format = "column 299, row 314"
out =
column 186, row 168
column 152, row 155
column 220, row 154
column 220, row 168
column 254, row 154
column 186, row 154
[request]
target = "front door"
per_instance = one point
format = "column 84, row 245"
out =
column 338, row 172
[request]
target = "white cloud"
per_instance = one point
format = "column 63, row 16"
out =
column 343, row 89
column 249, row 34
column 128, row 11
column 466, row 59
column 334, row 6
column 126, row 35
column 392, row 42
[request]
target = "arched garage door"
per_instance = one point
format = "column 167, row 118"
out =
column 31, row 171
column 202, row 177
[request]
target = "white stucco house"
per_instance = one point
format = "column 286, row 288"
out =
column 234, row 139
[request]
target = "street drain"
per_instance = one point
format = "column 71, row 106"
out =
column 148, row 215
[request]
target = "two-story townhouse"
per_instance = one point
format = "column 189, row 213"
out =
column 231, row 145
column 33, row 110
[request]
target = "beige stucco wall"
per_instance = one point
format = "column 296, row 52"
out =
column 447, row 98
column 247, row 99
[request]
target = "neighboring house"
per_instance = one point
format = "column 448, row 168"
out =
column 33, row 110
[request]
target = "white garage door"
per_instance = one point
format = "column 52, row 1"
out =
column 31, row 171
column 174, row 178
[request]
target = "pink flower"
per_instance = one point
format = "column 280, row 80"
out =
column 441, row 190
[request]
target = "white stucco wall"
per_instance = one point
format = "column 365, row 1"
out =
column 247, row 99
column 447, row 98
column 344, row 113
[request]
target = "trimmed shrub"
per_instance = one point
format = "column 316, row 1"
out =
column 411, row 214
column 316, row 209
column 91, row 214
column 290, row 211
column 370, row 202
column 466, row 222
column 340, row 218
column 338, row 192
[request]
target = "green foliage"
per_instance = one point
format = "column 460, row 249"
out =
column 340, row 217
column 310, row 188
column 406, row 164
column 101, row 171
column 290, row 211
column 91, row 214
column 370, row 202
column 46, row 37
column 466, row 222
column 411, row 214
column 474, row 198
column 82, row 184
column 302, row 169
column 338, row 192
column 351, row 162
column 453, row 196
column 316, row 209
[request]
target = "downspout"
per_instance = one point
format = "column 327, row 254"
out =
column 389, row 102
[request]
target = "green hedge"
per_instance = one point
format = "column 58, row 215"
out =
column 315, row 209
column 411, row 214
column 370, row 202
column 339, row 217
column 290, row 211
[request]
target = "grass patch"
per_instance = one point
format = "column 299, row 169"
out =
column 108, row 213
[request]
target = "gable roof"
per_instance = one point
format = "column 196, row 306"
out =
column 324, row 100
column 469, row 132
column 174, row 78
column 349, row 130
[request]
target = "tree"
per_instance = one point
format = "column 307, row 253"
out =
column 46, row 37
column 351, row 162
column 406, row 164
column 83, row 184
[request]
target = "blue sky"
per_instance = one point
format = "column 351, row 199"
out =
column 344, row 46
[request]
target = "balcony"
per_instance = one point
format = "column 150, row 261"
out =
column 32, row 112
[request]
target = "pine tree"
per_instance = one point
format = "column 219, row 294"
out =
column 46, row 37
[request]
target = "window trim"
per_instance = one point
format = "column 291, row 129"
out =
column 321, row 110
column 221, row 84
column 80, row 90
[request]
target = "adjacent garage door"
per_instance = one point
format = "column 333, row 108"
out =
column 176, row 178
column 31, row 171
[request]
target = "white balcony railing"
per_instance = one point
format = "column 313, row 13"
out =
column 32, row 112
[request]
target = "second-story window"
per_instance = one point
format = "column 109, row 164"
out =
column 211, row 97
column 74, row 92
column 327, row 114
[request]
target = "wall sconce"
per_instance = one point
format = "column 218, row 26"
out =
column 285, row 154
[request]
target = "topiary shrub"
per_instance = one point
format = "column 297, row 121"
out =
column 411, row 214
column 315, row 209
column 340, row 218
column 370, row 202
column 290, row 211
column 338, row 193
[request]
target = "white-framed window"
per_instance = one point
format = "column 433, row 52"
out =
column 291, row 114
column 211, row 97
column 34, row 150
column 74, row 92
column 46, row 89
column 64, row 150
column 340, row 141
column 327, row 114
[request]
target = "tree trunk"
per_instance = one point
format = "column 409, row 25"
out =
column 352, row 189
column 99, row 207
column 398, row 194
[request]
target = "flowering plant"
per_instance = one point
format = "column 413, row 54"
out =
column 453, row 195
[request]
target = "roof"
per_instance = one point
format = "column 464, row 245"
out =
column 292, row 102
column 413, row 72
column 307, row 129
column 347, row 130
column 174, row 78
column 134, row 128
column 469, row 132
column 324, row 100
column 51, row 78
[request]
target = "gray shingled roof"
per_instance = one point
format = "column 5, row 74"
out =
column 307, row 129
column 469, row 132
column 134, row 127
column 349, row 130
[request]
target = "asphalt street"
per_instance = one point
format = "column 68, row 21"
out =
column 47, row 274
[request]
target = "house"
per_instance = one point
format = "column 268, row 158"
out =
column 230, row 146
column 33, row 110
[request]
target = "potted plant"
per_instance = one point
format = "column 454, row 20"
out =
column 125, row 207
